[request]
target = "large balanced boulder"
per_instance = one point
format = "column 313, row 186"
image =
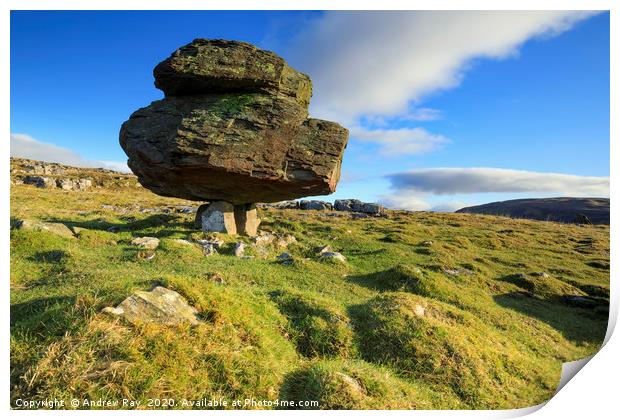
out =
column 233, row 127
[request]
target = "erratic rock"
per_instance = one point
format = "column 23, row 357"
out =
column 233, row 127
column 159, row 306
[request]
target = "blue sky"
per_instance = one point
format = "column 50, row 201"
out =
column 517, row 104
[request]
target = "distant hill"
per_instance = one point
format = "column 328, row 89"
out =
column 561, row 209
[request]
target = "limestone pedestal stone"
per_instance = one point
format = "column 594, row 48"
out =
column 221, row 216
column 246, row 219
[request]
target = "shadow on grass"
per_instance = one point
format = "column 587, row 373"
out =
column 172, row 225
column 55, row 256
column 50, row 316
column 579, row 325
column 375, row 281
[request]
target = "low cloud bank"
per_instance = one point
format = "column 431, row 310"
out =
column 448, row 181
column 25, row 146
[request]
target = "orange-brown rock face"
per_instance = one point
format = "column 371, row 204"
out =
column 233, row 127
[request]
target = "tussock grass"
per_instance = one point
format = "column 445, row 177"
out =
column 348, row 335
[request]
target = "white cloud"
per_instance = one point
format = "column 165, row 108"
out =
column 404, row 202
column 423, row 114
column 444, row 181
column 24, row 146
column 418, row 202
column 400, row 141
column 449, row 206
column 379, row 63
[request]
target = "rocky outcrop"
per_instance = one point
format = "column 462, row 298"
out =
column 358, row 206
column 233, row 127
column 39, row 181
column 314, row 205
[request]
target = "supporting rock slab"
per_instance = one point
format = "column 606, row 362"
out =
column 219, row 216
column 246, row 219
column 224, row 217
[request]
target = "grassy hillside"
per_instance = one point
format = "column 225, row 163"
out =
column 429, row 311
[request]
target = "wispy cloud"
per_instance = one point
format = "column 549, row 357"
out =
column 400, row 141
column 404, row 202
column 446, row 181
column 24, row 146
column 418, row 202
column 379, row 63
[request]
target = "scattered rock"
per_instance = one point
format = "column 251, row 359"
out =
column 210, row 246
column 285, row 258
column 358, row 206
column 186, row 209
column 285, row 240
column 541, row 275
column 44, row 168
column 216, row 278
column 56, row 228
column 159, row 306
column 147, row 255
column 282, row 205
column 419, row 310
column 426, row 243
column 314, row 205
column 74, row 185
column 323, row 249
column 333, row 256
column 264, row 238
column 345, row 205
column 39, row 181
column 352, row 385
column 239, row 249
column 214, row 241
column 452, row 271
column 147, row 242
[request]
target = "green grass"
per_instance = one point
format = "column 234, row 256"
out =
column 347, row 335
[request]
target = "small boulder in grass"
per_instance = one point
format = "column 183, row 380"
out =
column 158, row 306
column 333, row 256
column 323, row 249
column 147, row 242
column 285, row 258
column 285, row 240
column 239, row 249
column 209, row 249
